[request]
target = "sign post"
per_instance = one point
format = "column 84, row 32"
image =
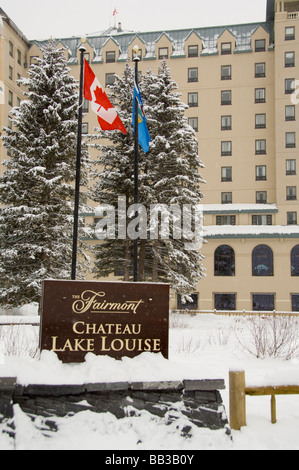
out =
column 104, row 318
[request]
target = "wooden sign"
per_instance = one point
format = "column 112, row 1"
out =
column 104, row 318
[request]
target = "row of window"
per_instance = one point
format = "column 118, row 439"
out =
column 258, row 219
column 260, row 175
column 262, row 261
column 193, row 51
column 11, row 51
column 228, row 302
column 226, row 124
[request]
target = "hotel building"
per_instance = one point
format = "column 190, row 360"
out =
column 240, row 84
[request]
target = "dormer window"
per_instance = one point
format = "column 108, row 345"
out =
column 163, row 53
column 193, row 51
column 226, row 48
column 260, row 45
column 110, row 57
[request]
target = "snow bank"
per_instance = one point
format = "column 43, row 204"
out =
column 147, row 367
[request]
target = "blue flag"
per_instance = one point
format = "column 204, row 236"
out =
column 143, row 133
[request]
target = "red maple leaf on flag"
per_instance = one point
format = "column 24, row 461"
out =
column 102, row 99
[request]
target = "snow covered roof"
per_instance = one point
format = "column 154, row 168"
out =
column 240, row 208
column 251, row 231
column 209, row 36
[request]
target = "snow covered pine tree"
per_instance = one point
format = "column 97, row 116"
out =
column 37, row 190
column 172, row 178
column 168, row 175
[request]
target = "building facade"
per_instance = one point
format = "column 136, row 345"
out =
column 240, row 84
column 14, row 48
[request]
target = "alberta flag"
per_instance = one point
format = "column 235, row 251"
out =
column 143, row 133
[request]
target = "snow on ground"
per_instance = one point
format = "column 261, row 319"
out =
column 201, row 347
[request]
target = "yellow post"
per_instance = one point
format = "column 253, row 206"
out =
column 237, row 399
column 273, row 409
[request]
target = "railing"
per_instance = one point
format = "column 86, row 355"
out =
column 238, row 392
column 293, row 16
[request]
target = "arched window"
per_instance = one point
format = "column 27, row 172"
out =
column 295, row 261
column 262, row 261
column 224, row 261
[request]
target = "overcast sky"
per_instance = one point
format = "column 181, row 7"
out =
column 40, row 19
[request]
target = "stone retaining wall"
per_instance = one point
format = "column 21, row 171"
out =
column 199, row 402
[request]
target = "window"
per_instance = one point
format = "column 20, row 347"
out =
column 260, row 95
column 226, row 72
column 260, row 70
column 85, row 128
column 226, row 48
column 193, row 122
column 188, row 305
column 85, row 107
column 262, row 261
column 10, row 72
column 290, row 33
column 226, row 198
column 19, row 55
column 225, row 302
column 295, row 261
column 163, row 53
column 291, row 167
column 291, row 193
column 193, row 75
column 110, row 57
column 10, row 48
column 260, row 45
column 10, row 98
column 226, row 123
column 290, row 140
column 290, row 113
column 224, row 261
column 225, row 220
column 193, row 100
column 110, row 79
column 260, row 147
column 263, row 302
column 193, row 51
column 261, row 197
column 226, row 97
column 292, row 218
column 262, row 219
column 226, row 173
column 289, row 59
column 260, row 121
column 261, row 173
column 289, row 86
column 226, row 148
column 295, row 302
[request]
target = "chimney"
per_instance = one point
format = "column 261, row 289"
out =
column 119, row 28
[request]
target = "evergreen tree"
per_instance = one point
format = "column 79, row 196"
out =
column 168, row 176
column 37, row 188
column 172, row 178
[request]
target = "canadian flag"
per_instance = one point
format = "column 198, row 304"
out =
column 100, row 103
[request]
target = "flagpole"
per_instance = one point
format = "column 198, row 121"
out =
column 82, row 49
column 136, row 161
